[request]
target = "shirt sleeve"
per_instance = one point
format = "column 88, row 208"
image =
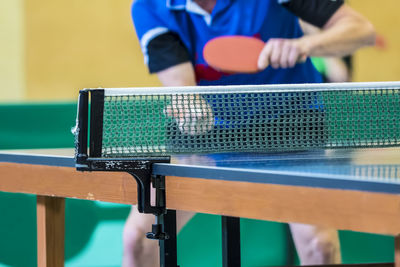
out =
column 161, row 47
column 315, row 12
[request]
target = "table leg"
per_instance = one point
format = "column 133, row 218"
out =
column 168, row 250
column 230, row 241
column 397, row 251
column 50, row 231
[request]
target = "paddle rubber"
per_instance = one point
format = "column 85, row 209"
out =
column 233, row 54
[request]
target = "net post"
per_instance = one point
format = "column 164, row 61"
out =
column 81, row 131
column 96, row 122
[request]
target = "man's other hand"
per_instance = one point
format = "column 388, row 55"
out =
column 282, row 53
column 192, row 114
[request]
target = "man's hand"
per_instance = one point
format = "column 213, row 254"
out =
column 192, row 114
column 283, row 53
column 344, row 33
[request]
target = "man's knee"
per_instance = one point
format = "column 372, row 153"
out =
column 316, row 245
column 133, row 240
column 326, row 246
column 134, row 234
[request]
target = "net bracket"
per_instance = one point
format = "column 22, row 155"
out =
column 141, row 170
column 164, row 229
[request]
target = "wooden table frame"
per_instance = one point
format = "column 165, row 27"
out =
column 341, row 209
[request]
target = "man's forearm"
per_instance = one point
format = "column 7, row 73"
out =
column 342, row 35
column 178, row 75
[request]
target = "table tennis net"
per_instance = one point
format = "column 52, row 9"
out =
column 248, row 119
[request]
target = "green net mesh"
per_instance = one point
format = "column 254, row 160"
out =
column 259, row 121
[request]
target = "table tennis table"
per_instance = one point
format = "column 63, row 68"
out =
column 349, row 189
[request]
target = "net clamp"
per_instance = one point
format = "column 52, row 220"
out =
column 141, row 170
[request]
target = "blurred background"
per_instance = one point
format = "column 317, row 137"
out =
column 50, row 49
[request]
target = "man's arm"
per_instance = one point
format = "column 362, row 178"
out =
column 192, row 114
column 178, row 75
column 344, row 33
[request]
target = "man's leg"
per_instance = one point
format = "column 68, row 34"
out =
column 316, row 245
column 138, row 250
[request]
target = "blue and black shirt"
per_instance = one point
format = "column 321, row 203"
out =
column 175, row 31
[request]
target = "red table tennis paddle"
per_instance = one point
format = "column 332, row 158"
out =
column 233, row 54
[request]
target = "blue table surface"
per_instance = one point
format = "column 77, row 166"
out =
column 370, row 169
